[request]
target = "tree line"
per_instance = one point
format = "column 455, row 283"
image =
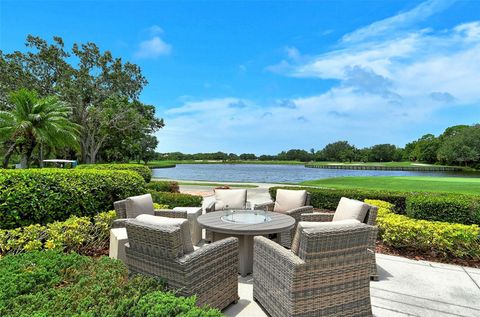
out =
column 458, row 145
column 96, row 92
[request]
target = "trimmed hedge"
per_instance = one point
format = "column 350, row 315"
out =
column 440, row 238
column 327, row 198
column 176, row 199
column 463, row 209
column 79, row 234
column 164, row 186
column 457, row 208
column 40, row 196
column 55, row 284
column 143, row 170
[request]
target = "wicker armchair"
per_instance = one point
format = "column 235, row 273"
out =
column 370, row 219
column 285, row 238
column 226, row 199
column 121, row 210
column 210, row 272
column 328, row 275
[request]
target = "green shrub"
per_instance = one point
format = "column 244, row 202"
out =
column 40, row 196
column 327, row 198
column 54, row 284
column 441, row 238
column 176, row 199
column 164, row 186
column 143, row 170
column 463, row 209
column 80, row 234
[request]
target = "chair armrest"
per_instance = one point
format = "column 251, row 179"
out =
column 210, row 207
column 211, row 260
column 119, row 223
column 317, row 216
column 297, row 212
column 268, row 206
column 170, row 213
column 274, row 260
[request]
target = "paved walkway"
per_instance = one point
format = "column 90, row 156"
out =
column 405, row 288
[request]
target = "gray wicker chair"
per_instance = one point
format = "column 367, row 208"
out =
column 370, row 219
column 121, row 210
column 285, row 238
column 210, row 272
column 328, row 275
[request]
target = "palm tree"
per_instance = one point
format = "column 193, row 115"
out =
column 32, row 121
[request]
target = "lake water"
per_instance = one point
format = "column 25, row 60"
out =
column 260, row 173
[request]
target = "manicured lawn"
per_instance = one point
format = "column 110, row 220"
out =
column 403, row 183
column 217, row 184
column 392, row 164
column 168, row 163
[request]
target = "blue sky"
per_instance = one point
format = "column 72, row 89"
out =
column 264, row 76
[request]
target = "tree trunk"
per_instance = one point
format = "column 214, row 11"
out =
column 9, row 153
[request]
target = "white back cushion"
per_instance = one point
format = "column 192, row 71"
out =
column 305, row 225
column 289, row 199
column 233, row 198
column 351, row 209
column 138, row 205
column 176, row 222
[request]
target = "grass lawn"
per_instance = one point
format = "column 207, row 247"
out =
column 403, row 183
column 395, row 164
column 218, row 184
column 168, row 163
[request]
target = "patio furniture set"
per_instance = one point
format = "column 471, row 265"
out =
column 303, row 262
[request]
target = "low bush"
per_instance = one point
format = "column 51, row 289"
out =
column 51, row 283
column 80, row 234
column 327, row 198
column 176, row 199
column 463, row 209
column 41, row 196
column 164, row 186
column 440, row 238
column 143, row 170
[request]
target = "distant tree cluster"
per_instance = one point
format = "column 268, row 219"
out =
column 458, row 145
column 97, row 92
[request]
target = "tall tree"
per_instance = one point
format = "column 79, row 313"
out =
column 32, row 121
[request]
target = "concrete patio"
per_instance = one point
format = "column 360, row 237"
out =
column 405, row 288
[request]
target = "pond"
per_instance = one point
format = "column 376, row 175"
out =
column 263, row 173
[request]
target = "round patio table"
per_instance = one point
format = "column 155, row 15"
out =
column 244, row 225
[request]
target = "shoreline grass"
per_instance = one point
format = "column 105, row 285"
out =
column 460, row 185
column 216, row 184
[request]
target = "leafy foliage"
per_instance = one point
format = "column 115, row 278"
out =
column 176, row 199
column 45, row 195
column 440, row 238
column 50, row 283
column 79, row 234
column 451, row 208
column 32, row 121
column 164, row 186
column 143, row 170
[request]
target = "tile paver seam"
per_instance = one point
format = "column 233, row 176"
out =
column 473, row 280
column 395, row 310
column 424, row 298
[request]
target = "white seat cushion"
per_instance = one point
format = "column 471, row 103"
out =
column 305, row 225
column 233, row 198
column 138, row 205
column 176, row 222
column 289, row 199
column 350, row 209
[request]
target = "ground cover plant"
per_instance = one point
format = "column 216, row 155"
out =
column 176, row 199
column 41, row 196
column 52, row 283
column 164, row 186
column 442, row 239
column 461, row 185
column 143, row 170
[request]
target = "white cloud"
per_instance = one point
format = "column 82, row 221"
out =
column 399, row 21
column 155, row 46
